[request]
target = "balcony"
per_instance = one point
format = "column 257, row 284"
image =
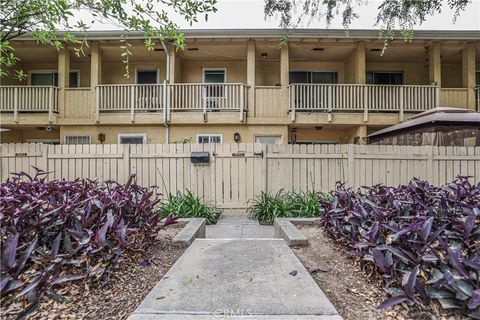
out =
column 331, row 98
column 29, row 99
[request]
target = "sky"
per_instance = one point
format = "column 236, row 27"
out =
column 246, row 14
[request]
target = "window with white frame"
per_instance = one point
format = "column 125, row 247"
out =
column 268, row 139
column 77, row 139
column 132, row 138
column 209, row 138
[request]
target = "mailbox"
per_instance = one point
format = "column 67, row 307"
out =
column 200, row 157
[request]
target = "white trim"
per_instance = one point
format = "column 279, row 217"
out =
column 157, row 70
column 77, row 135
column 198, row 135
column 42, row 140
column 129, row 135
column 279, row 136
column 214, row 69
column 52, row 71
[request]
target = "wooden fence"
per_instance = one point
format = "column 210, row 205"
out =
column 238, row 172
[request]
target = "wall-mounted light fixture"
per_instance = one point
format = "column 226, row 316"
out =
column 101, row 137
column 236, row 137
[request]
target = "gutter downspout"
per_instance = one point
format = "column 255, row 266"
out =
column 165, row 93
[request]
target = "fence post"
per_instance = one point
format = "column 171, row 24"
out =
column 126, row 161
column 44, row 148
column 265, row 168
column 351, row 165
column 430, row 175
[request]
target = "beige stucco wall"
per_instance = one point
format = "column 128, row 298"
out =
column 155, row 134
column 192, row 71
column 452, row 75
column 413, row 73
column 267, row 73
column 21, row 135
column 247, row 132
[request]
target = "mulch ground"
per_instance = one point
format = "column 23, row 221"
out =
column 354, row 293
column 129, row 282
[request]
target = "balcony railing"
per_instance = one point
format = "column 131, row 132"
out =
column 32, row 99
column 477, row 98
column 362, row 98
column 130, row 98
column 230, row 97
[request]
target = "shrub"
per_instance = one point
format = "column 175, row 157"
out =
column 266, row 207
column 187, row 205
column 59, row 231
column 423, row 240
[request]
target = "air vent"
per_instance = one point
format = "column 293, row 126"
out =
column 158, row 49
column 376, row 50
column 192, row 49
column 318, row 49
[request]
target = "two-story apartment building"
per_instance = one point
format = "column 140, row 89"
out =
column 236, row 86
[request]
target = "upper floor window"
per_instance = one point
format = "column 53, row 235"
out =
column 209, row 138
column 313, row 77
column 268, row 139
column 212, row 77
column 147, row 76
column 50, row 78
column 385, row 77
column 135, row 138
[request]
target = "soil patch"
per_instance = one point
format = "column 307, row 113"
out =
column 130, row 281
column 354, row 293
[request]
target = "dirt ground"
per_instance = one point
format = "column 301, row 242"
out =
column 129, row 283
column 354, row 294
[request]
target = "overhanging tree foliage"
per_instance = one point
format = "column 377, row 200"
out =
column 392, row 14
column 44, row 18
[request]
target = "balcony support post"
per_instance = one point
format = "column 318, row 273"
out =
column 132, row 104
column 242, row 102
column 284, row 74
column 468, row 73
column 15, row 105
column 365, row 103
column 204, row 102
column 95, row 79
column 63, row 78
column 401, row 102
column 50, row 104
column 292, row 94
column 435, row 64
column 329, row 103
column 251, row 76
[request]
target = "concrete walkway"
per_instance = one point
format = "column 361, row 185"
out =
column 234, row 276
column 234, row 224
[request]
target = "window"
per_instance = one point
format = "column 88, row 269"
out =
column 44, row 141
column 77, row 140
column 209, row 138
column 147, row 76
column 313, row 77
column 132, row 138
column 385, row 77
column 50, row 78
column 268, row 139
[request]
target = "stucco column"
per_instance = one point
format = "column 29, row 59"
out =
column 175, row 66
column 360, row 63
column 251, row 73
column 435, row 64
column 359, row 132
column 284, row 75
column 95, row 76
column 63, row 78
column 468, row 73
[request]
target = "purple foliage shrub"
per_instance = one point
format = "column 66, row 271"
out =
column 57, row 231
column 423, row 240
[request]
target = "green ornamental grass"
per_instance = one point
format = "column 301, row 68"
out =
column 266, row 207
column 187, row 205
